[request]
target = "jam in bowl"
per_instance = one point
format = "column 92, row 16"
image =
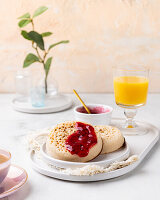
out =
column 100, row 114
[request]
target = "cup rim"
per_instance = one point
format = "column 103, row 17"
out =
column 130, row 68
column 7, row 162
column 86, row 114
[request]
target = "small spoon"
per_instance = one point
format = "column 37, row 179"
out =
column 88, row 111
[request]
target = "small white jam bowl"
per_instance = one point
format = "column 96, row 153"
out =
column 94, row 119
column 4, row 167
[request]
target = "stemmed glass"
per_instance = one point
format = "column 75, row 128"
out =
column 130, row 90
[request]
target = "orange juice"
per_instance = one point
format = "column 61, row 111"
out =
column 131, row 90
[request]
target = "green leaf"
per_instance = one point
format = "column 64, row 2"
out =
column 46, row 34
column 61, row 42
column 23, row 22
column 30, row 58
column 47, row 65
column 25, row 35
column 26, row 15
column 39, row 11
column 37, row 38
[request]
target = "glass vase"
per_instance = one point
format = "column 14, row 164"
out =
column 22, row 85
column 42, row 90
column 37, row 92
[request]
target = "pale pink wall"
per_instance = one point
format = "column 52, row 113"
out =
column 102, row 33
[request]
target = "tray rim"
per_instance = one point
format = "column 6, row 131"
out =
column 102, row 176
column 96, row 177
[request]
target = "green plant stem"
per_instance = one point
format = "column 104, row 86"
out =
column 42, row 60
column 32, row 24
column 45, row 80
column 37, row 52
column 45, row 54
column 46, row 86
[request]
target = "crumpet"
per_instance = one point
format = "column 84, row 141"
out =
column 112, row 138
column 74, row 141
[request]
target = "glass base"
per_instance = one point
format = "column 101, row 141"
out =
column 37, row 97
column 130, row 106
column 139, row 128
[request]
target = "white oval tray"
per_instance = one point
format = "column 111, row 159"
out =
column 58, row 103
column 101, row 160
column 139, row 145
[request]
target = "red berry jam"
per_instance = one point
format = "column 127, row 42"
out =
column 94, row 110
column 82, row 140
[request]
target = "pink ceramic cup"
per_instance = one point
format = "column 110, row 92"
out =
column 4, row 167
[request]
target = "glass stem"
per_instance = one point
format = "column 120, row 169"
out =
column 130, row 114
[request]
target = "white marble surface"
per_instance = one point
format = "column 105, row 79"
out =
column 142, row 183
